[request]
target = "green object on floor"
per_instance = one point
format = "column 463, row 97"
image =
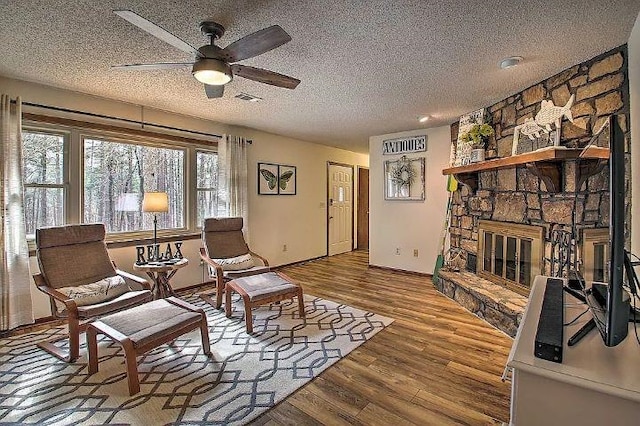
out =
column 436, row 270
column 452, row 186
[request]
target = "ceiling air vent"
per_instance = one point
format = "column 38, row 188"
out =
column 247, row 97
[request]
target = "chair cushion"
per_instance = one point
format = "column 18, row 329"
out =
column 246, row 272
column 223, row 237
column 223, row 224
column 101, row 291
column 69, row 235
column 236, row 263
column 148, row 322
column 73, row 255
column 264, row 285
column 130, row 298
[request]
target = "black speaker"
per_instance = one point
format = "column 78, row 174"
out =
column 548, row 344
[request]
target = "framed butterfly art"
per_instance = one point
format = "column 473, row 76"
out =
column 276, row 179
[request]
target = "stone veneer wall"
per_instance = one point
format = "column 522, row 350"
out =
column 601, row 88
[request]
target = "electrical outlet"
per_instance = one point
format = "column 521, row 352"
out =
column 284, row 247
column 397, row 251
column 415, row 252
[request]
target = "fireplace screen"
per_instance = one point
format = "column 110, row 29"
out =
column 510, row 254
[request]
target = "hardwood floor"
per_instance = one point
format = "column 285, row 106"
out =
column 436, row 364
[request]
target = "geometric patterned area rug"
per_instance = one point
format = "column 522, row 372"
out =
column 244, row 377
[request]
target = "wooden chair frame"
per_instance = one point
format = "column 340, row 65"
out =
column 249, row 304
column 131, row 352
column 221, row 279
column 75, row 327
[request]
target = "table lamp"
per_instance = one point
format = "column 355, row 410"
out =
column 155, row 202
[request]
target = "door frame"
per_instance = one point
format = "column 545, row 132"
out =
column 353, row 204
column 357, row 210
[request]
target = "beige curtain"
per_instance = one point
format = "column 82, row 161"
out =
column 15, row 281
column 232, row 178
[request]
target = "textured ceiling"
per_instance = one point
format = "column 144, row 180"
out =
column 367, row 67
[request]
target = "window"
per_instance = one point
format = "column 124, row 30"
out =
column 44, row 179
column 117, row 171
column 74, row 175
column 208, row 201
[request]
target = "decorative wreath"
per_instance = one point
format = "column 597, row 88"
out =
column 402, row 172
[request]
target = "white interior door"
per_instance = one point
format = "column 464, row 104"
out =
column 340, row 209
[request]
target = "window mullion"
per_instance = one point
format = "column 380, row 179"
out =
column 73, row 174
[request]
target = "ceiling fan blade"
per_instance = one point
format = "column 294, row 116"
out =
column 157, row 66
column 157, row 32
column 256, row 43
column 265, row 76
column 213, row 91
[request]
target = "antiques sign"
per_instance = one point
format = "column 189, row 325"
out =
column 404, row 145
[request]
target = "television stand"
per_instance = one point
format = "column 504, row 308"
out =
column 590, row 325
column 596, row 384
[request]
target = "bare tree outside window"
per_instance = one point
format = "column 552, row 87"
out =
column 207, row 197
column 114, row 171
column 44, row 180
column 71, row 178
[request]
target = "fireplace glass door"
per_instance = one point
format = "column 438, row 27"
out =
column 595, row 254
column 510, row 253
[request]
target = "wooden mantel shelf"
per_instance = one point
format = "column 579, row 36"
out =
column 545, row 163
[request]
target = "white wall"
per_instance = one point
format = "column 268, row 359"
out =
column 634, row 91
column 408, row 225
column 298, row 221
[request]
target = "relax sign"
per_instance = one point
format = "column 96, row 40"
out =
column 404, row 145
column 155, row 255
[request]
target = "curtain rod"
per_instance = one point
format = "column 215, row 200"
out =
column 126, row 120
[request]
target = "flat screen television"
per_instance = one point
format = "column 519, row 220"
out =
column 609, row 302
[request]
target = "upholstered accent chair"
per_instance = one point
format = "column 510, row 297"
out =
column 81, row 281
column 227, row 254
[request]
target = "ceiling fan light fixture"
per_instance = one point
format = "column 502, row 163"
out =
column 212, row 72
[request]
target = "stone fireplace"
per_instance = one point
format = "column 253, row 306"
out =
column 517, row 220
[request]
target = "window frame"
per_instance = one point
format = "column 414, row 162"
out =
column 198, row 225
column 74, row 174
column 66, row 136
column 116, row 236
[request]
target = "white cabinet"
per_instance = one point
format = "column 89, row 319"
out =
column 594, row 385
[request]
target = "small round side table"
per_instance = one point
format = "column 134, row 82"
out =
column 161, row 273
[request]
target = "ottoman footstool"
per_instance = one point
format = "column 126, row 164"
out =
column 261, row 289
column 145, row 327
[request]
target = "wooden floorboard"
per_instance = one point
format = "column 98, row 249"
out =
column 436, row 364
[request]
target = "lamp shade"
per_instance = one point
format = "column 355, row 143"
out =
column 155, row 202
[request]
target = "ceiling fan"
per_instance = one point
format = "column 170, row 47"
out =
column 212, row 65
